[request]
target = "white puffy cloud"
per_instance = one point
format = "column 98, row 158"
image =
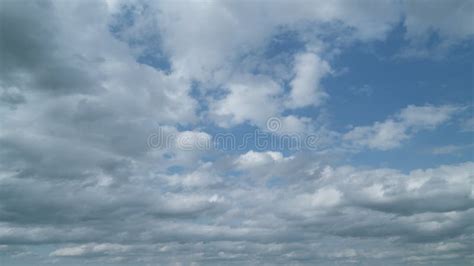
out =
column 326, row 197
column 251, row 99
column 294, row 125
column 253, row 159
column 306, row 87
column 243, row 30
column 381, row 135
column 243, row 27
column 391, row 191
column 193, row 141
column 426, row 116
column 258, row 100
column 204, row 175
column 392, row 132
column 315, row 203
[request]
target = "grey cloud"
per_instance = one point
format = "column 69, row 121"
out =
column 32, row 58
column 12, row 97
column 436, row 202
column 138, row 212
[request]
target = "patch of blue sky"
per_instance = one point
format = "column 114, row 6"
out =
column 395, row 83
column 418, row 152
column 146, row 46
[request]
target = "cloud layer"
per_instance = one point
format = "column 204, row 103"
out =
column 83, row 86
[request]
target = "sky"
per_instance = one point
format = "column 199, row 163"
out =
column 236, row 132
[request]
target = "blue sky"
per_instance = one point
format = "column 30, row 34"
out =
column 112, row 116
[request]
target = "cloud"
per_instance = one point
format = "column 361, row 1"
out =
column 392, row 132
column 450, row 149
column 80, row 183
column 314, row 204
column 381, row 135
column 305, row 87
column 193, row 141
column 33, row 42
column 419, row 191
column 427, row 116
column 205, row 175
column 256, row 100
column 90, row 250
column 468, row 124
column 214, row 64
column 425, row 205
column 250, row 99
column 422, row 20
column 12, row 96
column 255, row 159
column 243, row 27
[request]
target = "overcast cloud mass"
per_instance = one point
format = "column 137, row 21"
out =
column 114, row 117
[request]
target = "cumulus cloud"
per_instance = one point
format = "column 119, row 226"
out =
column 392, row 132
column 205, row 175
column 305, row 87
column 251, row 99
column 255, row 159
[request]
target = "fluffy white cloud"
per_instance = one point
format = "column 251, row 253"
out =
column 326, row 197
column 204, row 175
column 427, row 116
column 193, row 141
column 258, row 100
column 305, row 87
column 251, row 99
column 392, row 132
column 243, row 27
column 294, row 125
column 392, row 191
column 253, row 159
column 381, row 135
